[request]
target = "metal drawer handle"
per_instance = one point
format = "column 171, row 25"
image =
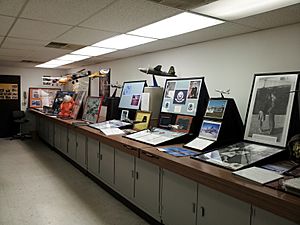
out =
column 150, row 155
column 130, row 148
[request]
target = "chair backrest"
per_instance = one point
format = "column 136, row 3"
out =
column 18, row 114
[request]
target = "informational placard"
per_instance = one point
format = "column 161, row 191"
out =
column 8, row 91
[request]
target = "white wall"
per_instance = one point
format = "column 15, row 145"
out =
column 30, row 77
column 225, row 63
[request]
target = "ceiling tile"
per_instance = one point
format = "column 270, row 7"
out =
column 37, row 30
column 11, row 7
column 46, row 54
column 5, row 24
column 63, row 11
column 127, row 15
column 211, row 33
column 279, row 17
column 14, row 52
column 84, row 36
column 19, row 43
column 123, row 54
column 11, row 58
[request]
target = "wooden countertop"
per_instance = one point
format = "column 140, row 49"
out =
column 220, row 179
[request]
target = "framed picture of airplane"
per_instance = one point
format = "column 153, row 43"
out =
column 210, row 130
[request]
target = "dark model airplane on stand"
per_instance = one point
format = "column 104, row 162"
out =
column 156, row 71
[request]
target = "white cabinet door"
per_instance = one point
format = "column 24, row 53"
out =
column 93, row 156
column 147, row 187
column 81, row 150
column 107, row 163
column 57, row 137
column 263, row 217
column 51, row 133
column 72, row 144
column 179, row 199
column 124, row 173
column 64, row 140
column 217, row 208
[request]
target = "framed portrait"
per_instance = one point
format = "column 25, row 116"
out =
column 184, row 123
column 79, row 96
column 270, row 108
column 142, row 120
column 92, row 109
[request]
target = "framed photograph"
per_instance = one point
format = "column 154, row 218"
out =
column 142, row 120
column 124, row 114
column 78, row 102
column 216, row 108
column 270, row 107
column 92, row 109
column 184, row 123
column 164, row 120
column 210, row 130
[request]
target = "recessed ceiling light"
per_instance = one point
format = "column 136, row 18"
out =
column 53, row 63
column 93, row 51
column 73, row 58
column 236, row 9
column 175, row 25
column 123, row 41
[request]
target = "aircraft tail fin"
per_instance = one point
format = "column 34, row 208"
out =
column 158, row 68
column 172, row 70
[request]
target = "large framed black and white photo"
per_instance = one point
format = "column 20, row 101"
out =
column 270, row 108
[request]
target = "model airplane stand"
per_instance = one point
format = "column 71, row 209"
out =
column 222, row 125
column 182, row 109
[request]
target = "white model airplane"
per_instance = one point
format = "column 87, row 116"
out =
column 227, row 92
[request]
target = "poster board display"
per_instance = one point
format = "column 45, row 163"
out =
column 92, row 109
column 181, row 96
column 79, row 96
column 131, row 95
column 270, row 107
column 8, row 91
column 40, row 97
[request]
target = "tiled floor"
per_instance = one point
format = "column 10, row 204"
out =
column 38, row 187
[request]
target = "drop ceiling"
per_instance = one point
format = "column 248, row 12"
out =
column 27, row 26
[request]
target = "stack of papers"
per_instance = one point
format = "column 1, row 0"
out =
column 292, row 185
column 258, row 175
column 112, row 131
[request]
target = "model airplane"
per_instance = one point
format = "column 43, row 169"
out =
column 227, row 92
column 116, row 86
column 156, row 71
column 101, row 73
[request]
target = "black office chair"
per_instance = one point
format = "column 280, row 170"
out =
column 19, row 118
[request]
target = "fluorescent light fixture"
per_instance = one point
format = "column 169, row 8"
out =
column 53, row 63
column 123, row 41
column 175, row 25
column 73, row 58
column 93, row 51
column 236, row 9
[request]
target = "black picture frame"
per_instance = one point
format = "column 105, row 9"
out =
column 270, row 108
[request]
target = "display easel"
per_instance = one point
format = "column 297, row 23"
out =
column 222, row 125
column 182, row 109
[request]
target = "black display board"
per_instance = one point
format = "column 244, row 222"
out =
column 222, row 124
column 183, row 105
